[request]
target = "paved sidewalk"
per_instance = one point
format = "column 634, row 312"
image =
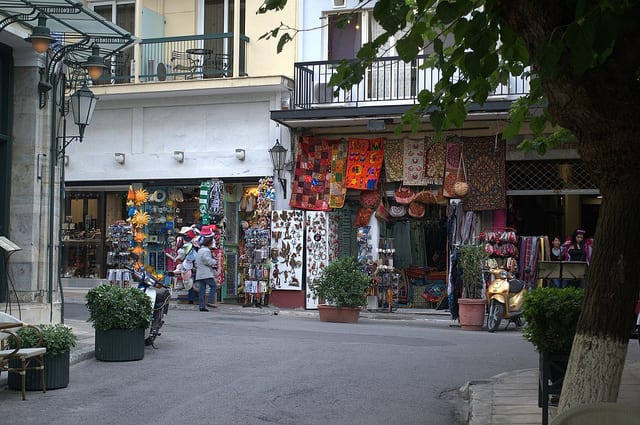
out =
column 507, row 398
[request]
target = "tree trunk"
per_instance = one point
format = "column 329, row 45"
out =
column 600, row 107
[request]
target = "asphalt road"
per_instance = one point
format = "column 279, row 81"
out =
column 248, row 368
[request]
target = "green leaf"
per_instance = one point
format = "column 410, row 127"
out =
column 446, row 12
column 284, row 39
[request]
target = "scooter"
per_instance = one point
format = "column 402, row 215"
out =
column 160, row 296
column 504, row 299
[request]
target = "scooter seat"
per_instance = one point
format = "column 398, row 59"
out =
column 515, row 286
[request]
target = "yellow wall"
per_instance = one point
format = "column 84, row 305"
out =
column 262, row 57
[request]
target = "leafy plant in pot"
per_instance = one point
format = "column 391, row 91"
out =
column 342, row 285
column 120, row 317
column 551, row 316
column 58, row 340
column 472, row 260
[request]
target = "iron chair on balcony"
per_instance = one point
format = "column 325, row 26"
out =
column 183, row 64
column 219, row 66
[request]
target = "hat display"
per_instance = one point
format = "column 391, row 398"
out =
column 207, row 231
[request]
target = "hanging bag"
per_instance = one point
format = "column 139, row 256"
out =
column 382, row 210
column 370, row 198
column 403, row 195
column 425, row 197
column 461, row 187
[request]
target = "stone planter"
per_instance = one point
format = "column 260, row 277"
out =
column 119, row 345
column 471, row 313
column 330, row 313
column 56, row 374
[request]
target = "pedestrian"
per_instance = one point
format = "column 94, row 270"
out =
column 205, row 266
column 576, row 250
column 557, row 254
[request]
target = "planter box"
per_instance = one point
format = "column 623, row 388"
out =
column 471, row 313
column 330, row 313
column 120, row 345
column 56, row 374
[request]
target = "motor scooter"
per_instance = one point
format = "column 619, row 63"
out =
column 504, row 299
column 159, row 295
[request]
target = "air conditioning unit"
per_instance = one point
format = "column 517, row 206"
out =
column 337, row 4
column 324, row 93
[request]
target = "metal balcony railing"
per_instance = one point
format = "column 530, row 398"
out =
column 177, row 58
column 389, row 80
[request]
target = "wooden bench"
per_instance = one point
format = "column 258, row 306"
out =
column 19, row 359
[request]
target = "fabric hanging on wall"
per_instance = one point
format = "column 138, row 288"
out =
column 393, row 154
column 484, row 158
column 337, row 189
column 364, row 162
column 310, row 187
column 452, row 162
column 436, row 152
column 414, row 163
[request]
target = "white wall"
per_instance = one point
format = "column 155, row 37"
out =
column 207, row 129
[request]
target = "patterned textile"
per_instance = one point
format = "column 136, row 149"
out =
column 393, row 153
column 435, row 162
column 452, row 161
column 337, row 189
column 414, row 163
column 310, row 189
column 484, row 158
column 364, row 163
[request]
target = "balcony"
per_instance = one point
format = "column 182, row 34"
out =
column 388, row 81
column 178, row 58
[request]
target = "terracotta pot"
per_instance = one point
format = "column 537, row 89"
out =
column 471, row 313
column 330, row 313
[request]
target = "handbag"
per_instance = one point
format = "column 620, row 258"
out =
column 382, row 210
column 416, row 209
column 425, row 197
column 403, row 195
column 397, row 211
column 370, row 198
column 362, row 216
column 461, row 187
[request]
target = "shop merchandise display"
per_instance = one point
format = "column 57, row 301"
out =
column 387, row 278
column 256, row 267
column 287, row 243
column 321, row 248
column 120, row 238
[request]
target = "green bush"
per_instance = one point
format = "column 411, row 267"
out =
column 113, row 307
column 56, row 338
column 342, row 283
column 551, row 316
column 472, row 260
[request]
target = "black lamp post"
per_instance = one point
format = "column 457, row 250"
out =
column 83, row 103
column 278, row 158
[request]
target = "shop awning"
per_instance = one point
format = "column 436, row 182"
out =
column 70, row 23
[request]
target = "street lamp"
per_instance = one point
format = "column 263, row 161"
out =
column 278, row 158
column 95, row 63
column 40, row 36
column 83, row 103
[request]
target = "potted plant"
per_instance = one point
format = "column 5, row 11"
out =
column 120, row 317
column 58, row 339
column 342, row 286
column 472, row 259
column 551, row 316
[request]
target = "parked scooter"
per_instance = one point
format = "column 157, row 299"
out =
column 160, row 296
column 504, row 299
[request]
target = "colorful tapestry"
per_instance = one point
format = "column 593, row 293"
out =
column 414, row 163
column 393, row 153
column 452, row 161
column 337, row 189
column 436, row 152
column 364, row 162
column 310, row 187
column 484, row 159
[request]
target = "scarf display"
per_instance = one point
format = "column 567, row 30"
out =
column 436, row 152
column 414, row 163
column 310, row 186
column 452, row 162
column 364, row 162
column 393, row 159
column 485, row 158
column 337, row 189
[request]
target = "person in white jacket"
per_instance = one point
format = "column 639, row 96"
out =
column 205, row 265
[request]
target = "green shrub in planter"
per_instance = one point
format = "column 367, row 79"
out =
column 56, row 338
column 114, row 307
column 472, row 259
column 551, row 316
column 342, row 283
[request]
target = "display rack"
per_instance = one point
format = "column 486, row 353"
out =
column 501, row 245
column 386, row 277
column 256, row 272
column 119, row 236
